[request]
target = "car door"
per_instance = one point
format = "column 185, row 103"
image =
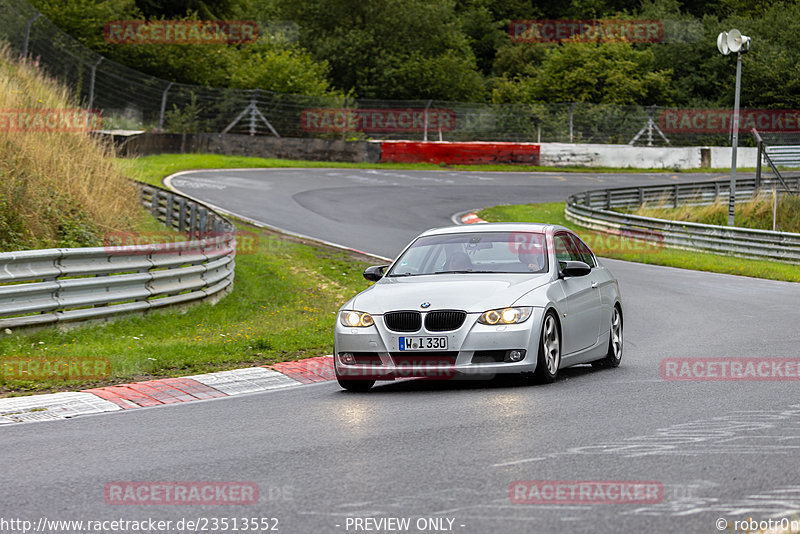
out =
column 581, row 320
column 606, row 285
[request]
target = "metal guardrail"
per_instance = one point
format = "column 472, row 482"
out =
column 784, row 155
column 775, row 156
column 46, row 287
column 595, row 210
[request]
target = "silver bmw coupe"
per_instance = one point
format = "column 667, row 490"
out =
column 481, row 300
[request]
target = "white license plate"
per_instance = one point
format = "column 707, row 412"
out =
column 406, row 343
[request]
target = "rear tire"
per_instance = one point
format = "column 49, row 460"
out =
column 549, row 351
column 614, row 355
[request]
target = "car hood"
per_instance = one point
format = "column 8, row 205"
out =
column 469, row 292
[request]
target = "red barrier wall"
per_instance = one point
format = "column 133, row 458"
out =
column 459, row 153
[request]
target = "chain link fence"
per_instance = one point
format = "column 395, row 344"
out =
column 132, row 100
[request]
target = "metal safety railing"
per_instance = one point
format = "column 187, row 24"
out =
column 596, row 210
column 52, row 286
column 775, row 156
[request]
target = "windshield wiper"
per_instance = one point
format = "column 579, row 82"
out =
column 398, row 275
column 470, row 271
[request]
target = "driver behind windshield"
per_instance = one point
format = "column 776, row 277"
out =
column 532, row 260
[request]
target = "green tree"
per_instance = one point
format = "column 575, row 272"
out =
column 607, row 73
column 689, row 55
column 216, row 10
column 703, row 77
column 273, row 64
column 279, row 70
column 460, row 50
column 372, row 47
column 84, row 19
column 771, row 69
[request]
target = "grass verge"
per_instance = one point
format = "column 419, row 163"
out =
column 638, row 251
column 152, row 169
column 59, row 187
column 755, row 213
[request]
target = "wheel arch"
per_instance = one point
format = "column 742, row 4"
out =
column 552, row 308
column 618, row 304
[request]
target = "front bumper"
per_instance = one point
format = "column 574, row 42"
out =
column 473, row 349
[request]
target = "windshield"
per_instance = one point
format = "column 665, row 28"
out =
column 476, row 252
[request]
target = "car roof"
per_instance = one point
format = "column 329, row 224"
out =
column 496, row 227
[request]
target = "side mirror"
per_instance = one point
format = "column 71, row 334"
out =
column 575, row 268
column 374, row 273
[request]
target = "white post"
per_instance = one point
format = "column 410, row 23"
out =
column 732, row 199
column 774, row 207
column 163, row 108
column 91, row 83
column 571, row 111
column 344, row 119
column 28, row 35
column 425, row 134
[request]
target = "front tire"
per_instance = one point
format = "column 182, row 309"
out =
column 357, row 385
column 614, row 355
column 549, row 351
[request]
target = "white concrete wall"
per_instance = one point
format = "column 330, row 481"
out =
column 587, row 155
column 745, row 156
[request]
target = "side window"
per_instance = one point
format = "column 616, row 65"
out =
column 565, row 249
column 586, row 255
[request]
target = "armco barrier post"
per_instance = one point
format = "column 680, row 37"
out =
column 193, row 220
column 203, row 220
column 154, row 203
column 181, row 214
column 168, row 212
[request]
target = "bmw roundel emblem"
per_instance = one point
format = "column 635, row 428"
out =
column 425, row 305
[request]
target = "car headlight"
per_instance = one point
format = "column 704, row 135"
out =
column 515, row 315
column 355, row 318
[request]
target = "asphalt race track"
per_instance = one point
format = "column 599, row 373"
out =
column 416, row 449
column 380, row 211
